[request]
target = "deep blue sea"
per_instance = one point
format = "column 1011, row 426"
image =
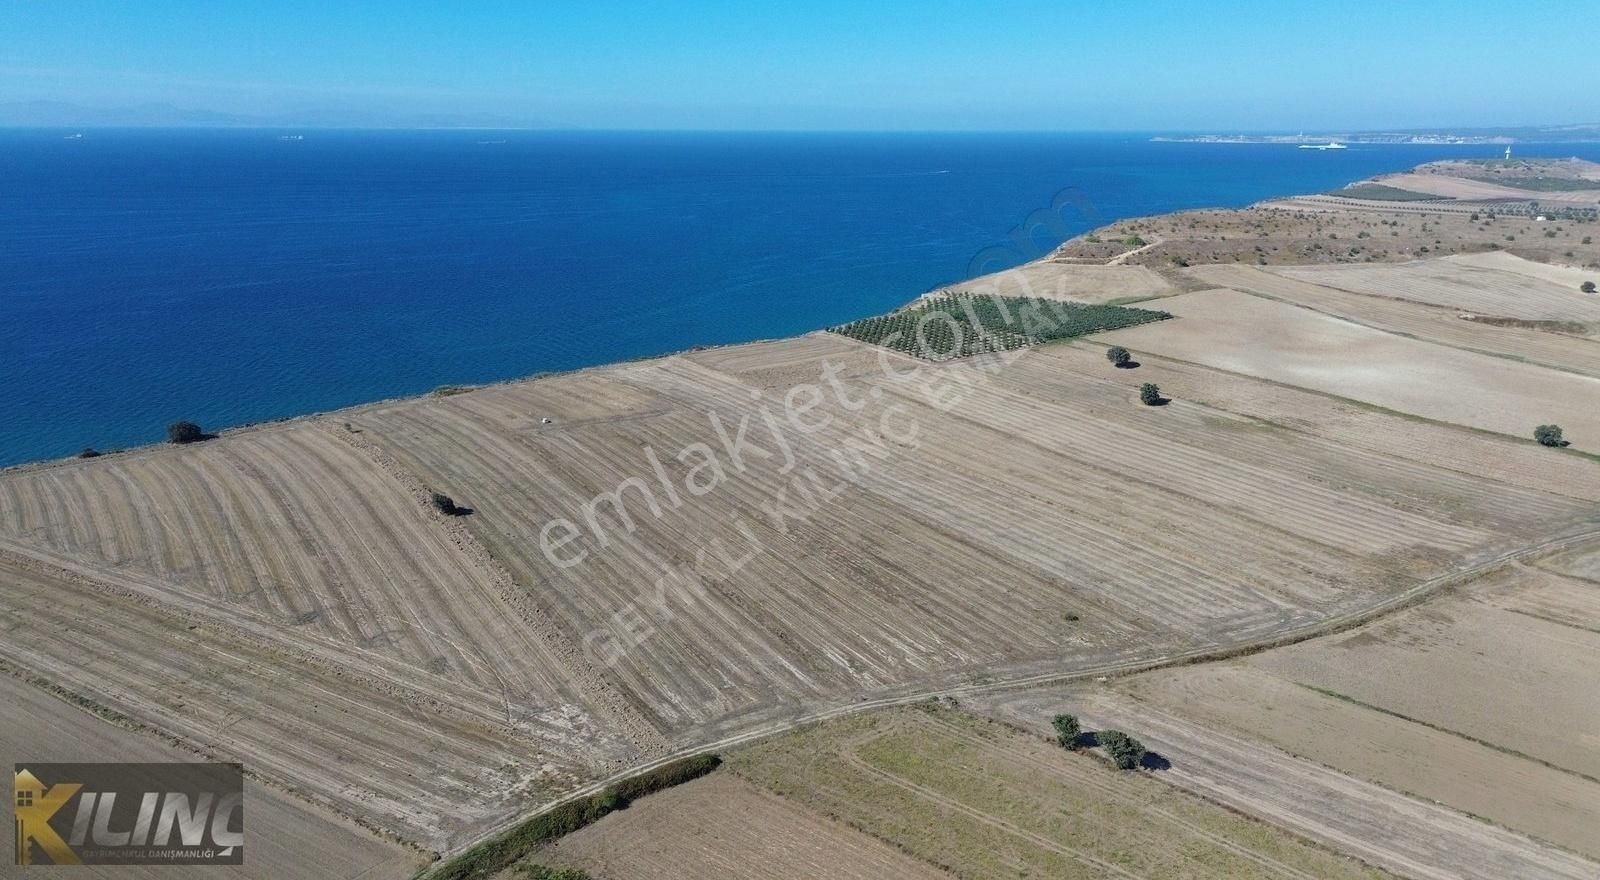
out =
column 230, row 277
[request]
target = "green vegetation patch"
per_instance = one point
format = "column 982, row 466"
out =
column 492, row 856
column 1541, row 184
column 963, row 324
column 1383, row 193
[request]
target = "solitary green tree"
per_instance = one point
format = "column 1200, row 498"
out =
column 1549, row 435
column 184, row 432
column 1587, row 287
column 1125, row 751
column 1150, row 393
column 1118, row 356
column 1067, row 730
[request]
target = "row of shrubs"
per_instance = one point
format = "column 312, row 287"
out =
column 489, row 858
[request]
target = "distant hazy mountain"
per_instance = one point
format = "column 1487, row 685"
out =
column 59, row 114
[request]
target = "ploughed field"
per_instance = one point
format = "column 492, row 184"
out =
column 681, row 552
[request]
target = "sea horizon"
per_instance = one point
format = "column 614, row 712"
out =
column 231, row 277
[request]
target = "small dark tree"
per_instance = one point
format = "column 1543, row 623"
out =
column 89, row 452
column 1067, row 730
column 184, row 432
column 1118, row 355
column 1125, row 751
column 1150, row 394
column 1587, row 287
column 445, row 504
column 1549, row 435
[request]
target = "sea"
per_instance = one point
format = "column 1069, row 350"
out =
column 230, row 277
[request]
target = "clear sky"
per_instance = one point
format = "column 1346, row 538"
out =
column 830, row 64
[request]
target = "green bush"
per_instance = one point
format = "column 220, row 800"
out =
column 1587, row 287
column 1549, row 435
column 1125, row 751
column 666, row 776
column 445, row 504
column 89, row 452
column 184, row 432
column 1118, row 355
column 541, row 872
column 1150, row 394
column 1067, row 730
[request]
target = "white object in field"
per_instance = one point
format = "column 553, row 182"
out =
column 1508, row 152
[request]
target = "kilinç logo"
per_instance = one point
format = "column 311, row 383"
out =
column 129, row 814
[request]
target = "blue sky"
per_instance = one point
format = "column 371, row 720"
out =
column 890, row 64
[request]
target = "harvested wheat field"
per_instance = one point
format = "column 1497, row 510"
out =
column 1563, row 276
column 956, row 551
column 725, row 828
column 986, row 800
column 1561, row 345
column 277, row 597
column 286, row 837
column 1240, row 333
column 1245, row 769
column 1480, row 701
column 657, row 558
column 1470, row 286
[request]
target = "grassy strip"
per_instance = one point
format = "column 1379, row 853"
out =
column 1455, row 733
column 492, row 856
column 956, row 325
column 1382, row 193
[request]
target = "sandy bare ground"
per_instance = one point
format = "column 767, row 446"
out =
column 1403, row 834
column 1234, row 331
column 284, row 836
column 1470, row 286
column 723, row 828
column 1439, row 324
column 1073, row 282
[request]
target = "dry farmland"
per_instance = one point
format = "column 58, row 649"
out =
column 1233, row 331
column 697, row 550
column 1446, row 326
column 284, row 836
column 1480, row 701
column 1074, row 282
column 1243, row 766
column 725, row 828
column 1467, row 286
column 985, row 800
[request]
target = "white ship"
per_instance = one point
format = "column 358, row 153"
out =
column 1330, row 145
